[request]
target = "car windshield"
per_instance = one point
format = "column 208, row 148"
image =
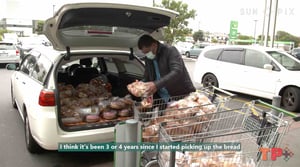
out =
column 286, row 61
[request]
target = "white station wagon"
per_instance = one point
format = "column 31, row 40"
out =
column 254, row 70
column 77, row 92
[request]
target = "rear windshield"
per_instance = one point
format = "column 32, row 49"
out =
column 101, row 30
column 7, row 46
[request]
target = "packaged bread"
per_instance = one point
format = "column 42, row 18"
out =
column 137, row 88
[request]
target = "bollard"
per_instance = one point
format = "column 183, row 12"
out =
column 130, row 137
column 126, row 132
column 276, row 101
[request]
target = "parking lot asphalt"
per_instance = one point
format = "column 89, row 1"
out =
column 290, row 145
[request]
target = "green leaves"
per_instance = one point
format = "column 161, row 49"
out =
column 178, row 28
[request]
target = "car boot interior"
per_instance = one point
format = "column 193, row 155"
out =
column 91, row 96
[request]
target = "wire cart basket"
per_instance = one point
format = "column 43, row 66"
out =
column 250, row 126
column 203, row 101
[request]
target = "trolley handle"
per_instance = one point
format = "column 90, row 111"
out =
column 224, row 91
column 294, row 116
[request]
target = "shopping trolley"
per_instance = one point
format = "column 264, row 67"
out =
column 250, row 126
column 203, row 101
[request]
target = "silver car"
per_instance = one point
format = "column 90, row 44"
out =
column 194, row 51
column 9, row 53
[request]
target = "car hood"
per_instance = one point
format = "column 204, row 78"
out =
column 82, row 26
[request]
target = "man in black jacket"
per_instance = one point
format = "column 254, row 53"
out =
column 165, row 72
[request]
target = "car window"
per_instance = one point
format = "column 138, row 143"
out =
column 41, row 68
column 28, row 64
column 196, row 47
column 133, row 69
column 213, row 54
column 111, row 66
column 232, row 56
column 123, row 66
column 256, row 59
column 286, row 61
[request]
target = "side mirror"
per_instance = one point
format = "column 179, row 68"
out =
column 268, row 67
column 11, row 66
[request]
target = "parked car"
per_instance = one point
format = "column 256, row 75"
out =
column 11, row 38
column 77, row 92
column 296, row 52
column 259, row 71
column 9, row 53
column 297, row 55
column 194, row 51
column 182, row 47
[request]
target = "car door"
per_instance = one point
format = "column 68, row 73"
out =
column 258, row 80
column 38, row 73
column 22, row 79
column 229, row 67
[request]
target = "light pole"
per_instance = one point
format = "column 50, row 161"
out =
column 264, row 23
column 268, row 25
column 53, row 9
column 254, row 35
column 274, row 25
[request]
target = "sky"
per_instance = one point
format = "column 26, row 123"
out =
column 212, row 15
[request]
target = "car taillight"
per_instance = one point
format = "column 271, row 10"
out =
column 17, row 52
column 47, row 98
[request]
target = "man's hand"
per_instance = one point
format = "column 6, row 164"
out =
column 150, row 88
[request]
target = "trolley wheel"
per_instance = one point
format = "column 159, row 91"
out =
column 291, row 99
column 210, row 80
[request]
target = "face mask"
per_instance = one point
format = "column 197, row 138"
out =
column 150, row 55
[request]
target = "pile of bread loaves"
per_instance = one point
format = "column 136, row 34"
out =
column 92, row 102
column 208, row 159
column 186, row 116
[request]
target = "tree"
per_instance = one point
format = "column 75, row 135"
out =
column 198, row 36
column 248, row 40
column 178, row 28
column 214, row 40
column 246, row 37
column 2, row 31
column 284, row 36
column 39, row 27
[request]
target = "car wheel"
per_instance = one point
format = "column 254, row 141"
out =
column 31, row 144
column 291, row 99
column 187, row 54
column 13, row 101
column 210, row 80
